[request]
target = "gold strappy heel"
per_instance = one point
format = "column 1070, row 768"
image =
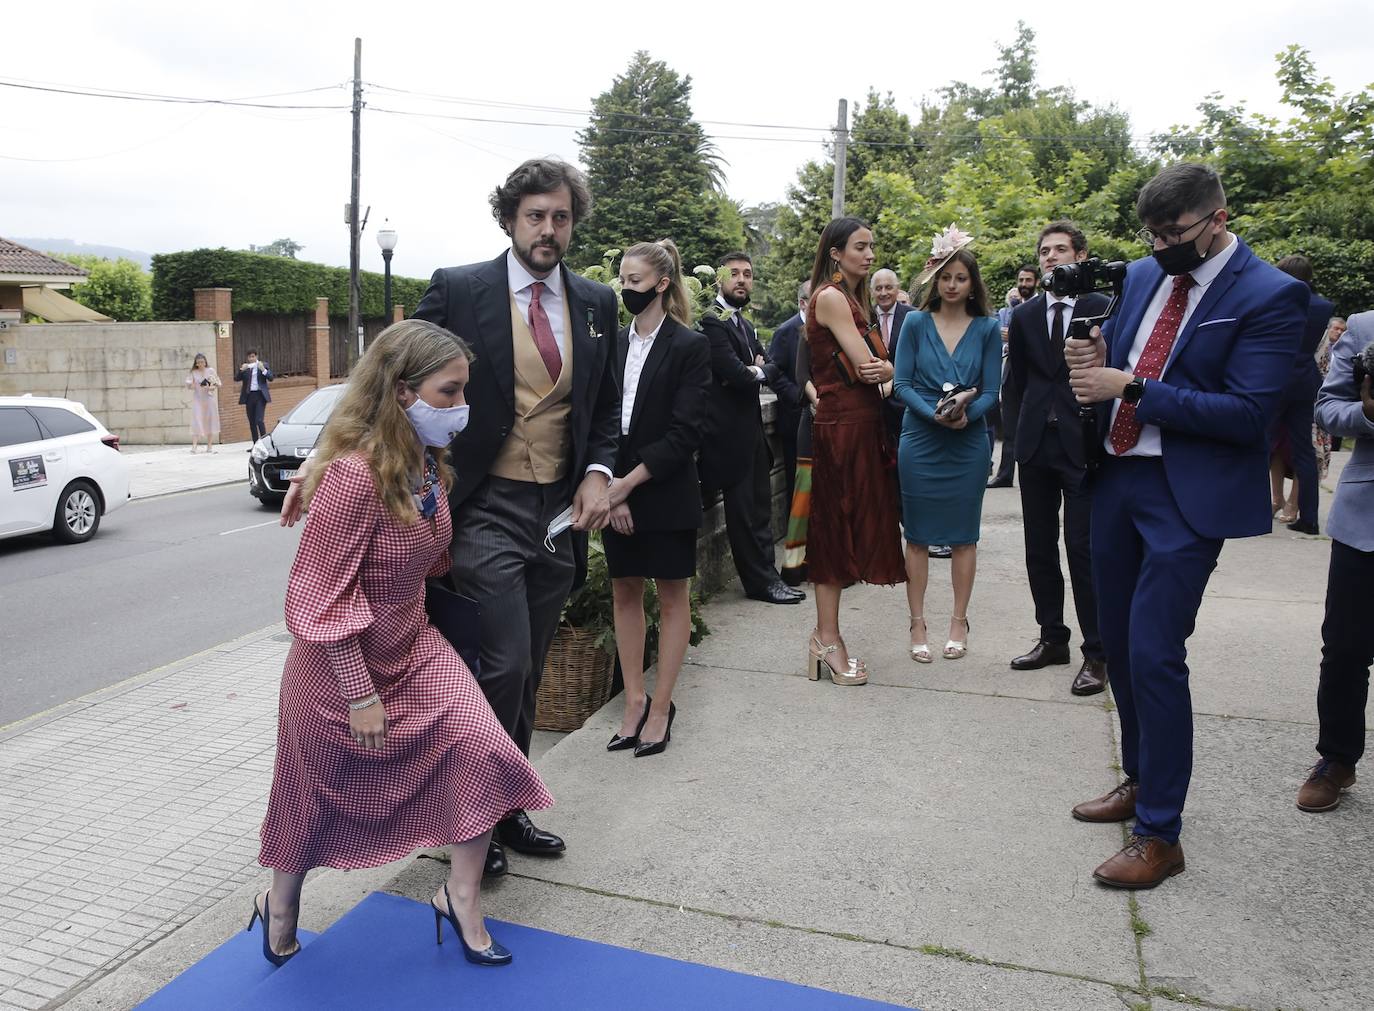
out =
column 955, row 648
column 817, row 664
column 920, row 651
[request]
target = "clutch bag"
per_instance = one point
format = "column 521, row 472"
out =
column 845, row 367
column 458, row 619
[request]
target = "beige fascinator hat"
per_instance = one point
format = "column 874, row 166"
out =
column 946, row 244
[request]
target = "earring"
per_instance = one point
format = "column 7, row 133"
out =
column 836, row 276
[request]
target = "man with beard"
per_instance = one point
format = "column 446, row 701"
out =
column 545, row 416
column 735, row 458
column 1009, row 407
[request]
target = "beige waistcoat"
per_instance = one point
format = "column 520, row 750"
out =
column 537, row 448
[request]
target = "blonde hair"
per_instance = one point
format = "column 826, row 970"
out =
column 369, row 420
column 663, row 257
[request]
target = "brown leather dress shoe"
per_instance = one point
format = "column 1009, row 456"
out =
column 1119, row 805
column 1091, row 678
column 1322, row 791
column 1042, row 655
column 1144, row 862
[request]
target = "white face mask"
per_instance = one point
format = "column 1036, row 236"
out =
column 557, row 525
column 436, row 426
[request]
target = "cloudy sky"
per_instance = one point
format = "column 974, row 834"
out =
column 163, row 177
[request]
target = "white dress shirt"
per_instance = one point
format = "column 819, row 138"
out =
column 720, row 301
column 635, row 357
column 1050, row 302
column 253, row 377
column 551, row 301
column 1149, row 443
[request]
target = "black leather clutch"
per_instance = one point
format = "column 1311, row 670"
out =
column 458, row 619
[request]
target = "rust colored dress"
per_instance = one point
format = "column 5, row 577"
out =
column 355, row 604
column 855, row 531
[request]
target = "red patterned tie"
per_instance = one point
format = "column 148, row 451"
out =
column 542, row 332
column 1126, row 429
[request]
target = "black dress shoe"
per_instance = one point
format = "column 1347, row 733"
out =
column 1091, row 677
column 646, row 748
column 496, row 864
column 1298, row 526
column 619, row 743
column 778, row 593
column 1000, row 483
column 1044, row 654
column 940, row 551
column 521, row 835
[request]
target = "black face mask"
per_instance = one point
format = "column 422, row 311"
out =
column 1180, row 259
column 638, row 301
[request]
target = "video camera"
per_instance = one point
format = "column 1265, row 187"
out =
column 1069, row 280
column 1363, row 365
column 1084, row 277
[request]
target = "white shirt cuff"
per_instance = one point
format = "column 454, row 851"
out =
column 758, row 373
column 600, row 470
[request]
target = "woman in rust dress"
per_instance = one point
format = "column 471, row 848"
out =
column 853, row 535
column 385, row 743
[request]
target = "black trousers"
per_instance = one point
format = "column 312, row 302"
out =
column 749, row 521
column 1295, row 418
column 256, row 406
column 1010, row 409
column 1048, row 479
column 1347, row 652
column 787, row 435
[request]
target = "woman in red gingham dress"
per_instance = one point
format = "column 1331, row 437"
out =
column 385, row 742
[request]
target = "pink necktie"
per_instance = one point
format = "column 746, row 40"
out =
column 542, row 332
column 1126, row 429
column 887, row 329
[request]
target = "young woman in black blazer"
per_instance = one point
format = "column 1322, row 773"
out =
column 664, row 368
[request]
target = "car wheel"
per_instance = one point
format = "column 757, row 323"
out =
column 78, row 513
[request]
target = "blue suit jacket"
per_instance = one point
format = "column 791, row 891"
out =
column 1220, row 389
column 1340, row 412
column 265, row 377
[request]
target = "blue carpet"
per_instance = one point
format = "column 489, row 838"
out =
column 220, row 980
column 382, row 954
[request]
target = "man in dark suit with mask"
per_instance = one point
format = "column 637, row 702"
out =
column 542, row 436
column 735, row 458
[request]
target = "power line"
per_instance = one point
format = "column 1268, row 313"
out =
column 135, row 96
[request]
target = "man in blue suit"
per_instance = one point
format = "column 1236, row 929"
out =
column 1300, row 395
column 1346, row 409
column 255, row 392
column 782, row 352
column 1192, row 368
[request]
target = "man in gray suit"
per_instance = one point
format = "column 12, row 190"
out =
column 1346, row 409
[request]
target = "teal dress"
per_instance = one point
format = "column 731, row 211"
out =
column 944, row 471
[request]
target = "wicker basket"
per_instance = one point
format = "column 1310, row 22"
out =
column 576, row 682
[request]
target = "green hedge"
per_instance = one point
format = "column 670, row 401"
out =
column 272, row 284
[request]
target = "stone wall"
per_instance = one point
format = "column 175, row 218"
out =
column 129, row 375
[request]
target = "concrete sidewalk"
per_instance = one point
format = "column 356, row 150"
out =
column 908, row 841
column 166, row 470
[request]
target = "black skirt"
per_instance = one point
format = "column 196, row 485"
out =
column 651, row 554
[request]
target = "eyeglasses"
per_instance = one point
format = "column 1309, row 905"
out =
column 1172, row 236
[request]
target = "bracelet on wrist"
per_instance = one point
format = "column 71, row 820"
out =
column 366, row 702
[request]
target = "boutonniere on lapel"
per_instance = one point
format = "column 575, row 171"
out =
column 592, row 331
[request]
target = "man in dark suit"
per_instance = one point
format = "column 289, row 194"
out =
column 735, row 458
column 1049, row 448
column 542, row 435
column 888, row 313
column 1191, row 370
column 255, row 392
column 1008, row 397
column 782, row 354
column 1300, row 397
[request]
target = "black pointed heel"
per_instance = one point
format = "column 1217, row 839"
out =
column 646, row 748
column 265, row 915
column 492, row 954
column 619, row 743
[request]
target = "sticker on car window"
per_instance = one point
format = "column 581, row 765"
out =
column 28, row 472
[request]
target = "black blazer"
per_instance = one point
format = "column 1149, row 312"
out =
column 665, row 427
column 1307, row 378
column 245, row 377
column 1042, row 377
column 782, row 352
column 727, row 453
column 893, row 409
column 473, row 302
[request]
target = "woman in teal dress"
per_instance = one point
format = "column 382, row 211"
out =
column 944, row 458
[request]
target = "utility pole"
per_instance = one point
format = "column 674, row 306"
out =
column 355, row 328
column 841, row 146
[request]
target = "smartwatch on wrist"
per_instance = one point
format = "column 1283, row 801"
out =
column 1133, row 391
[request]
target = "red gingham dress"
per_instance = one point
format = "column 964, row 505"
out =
column 355, row 604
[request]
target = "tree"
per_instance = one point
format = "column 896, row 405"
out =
column 653, row 172
column 120, row 289
column 279, row 247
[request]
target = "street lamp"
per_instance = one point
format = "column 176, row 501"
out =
column 387, row 239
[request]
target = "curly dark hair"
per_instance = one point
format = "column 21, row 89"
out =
column 540, row 175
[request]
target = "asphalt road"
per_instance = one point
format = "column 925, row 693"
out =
column 162, row 579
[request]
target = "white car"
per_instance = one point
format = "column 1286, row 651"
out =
column 62, row 469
